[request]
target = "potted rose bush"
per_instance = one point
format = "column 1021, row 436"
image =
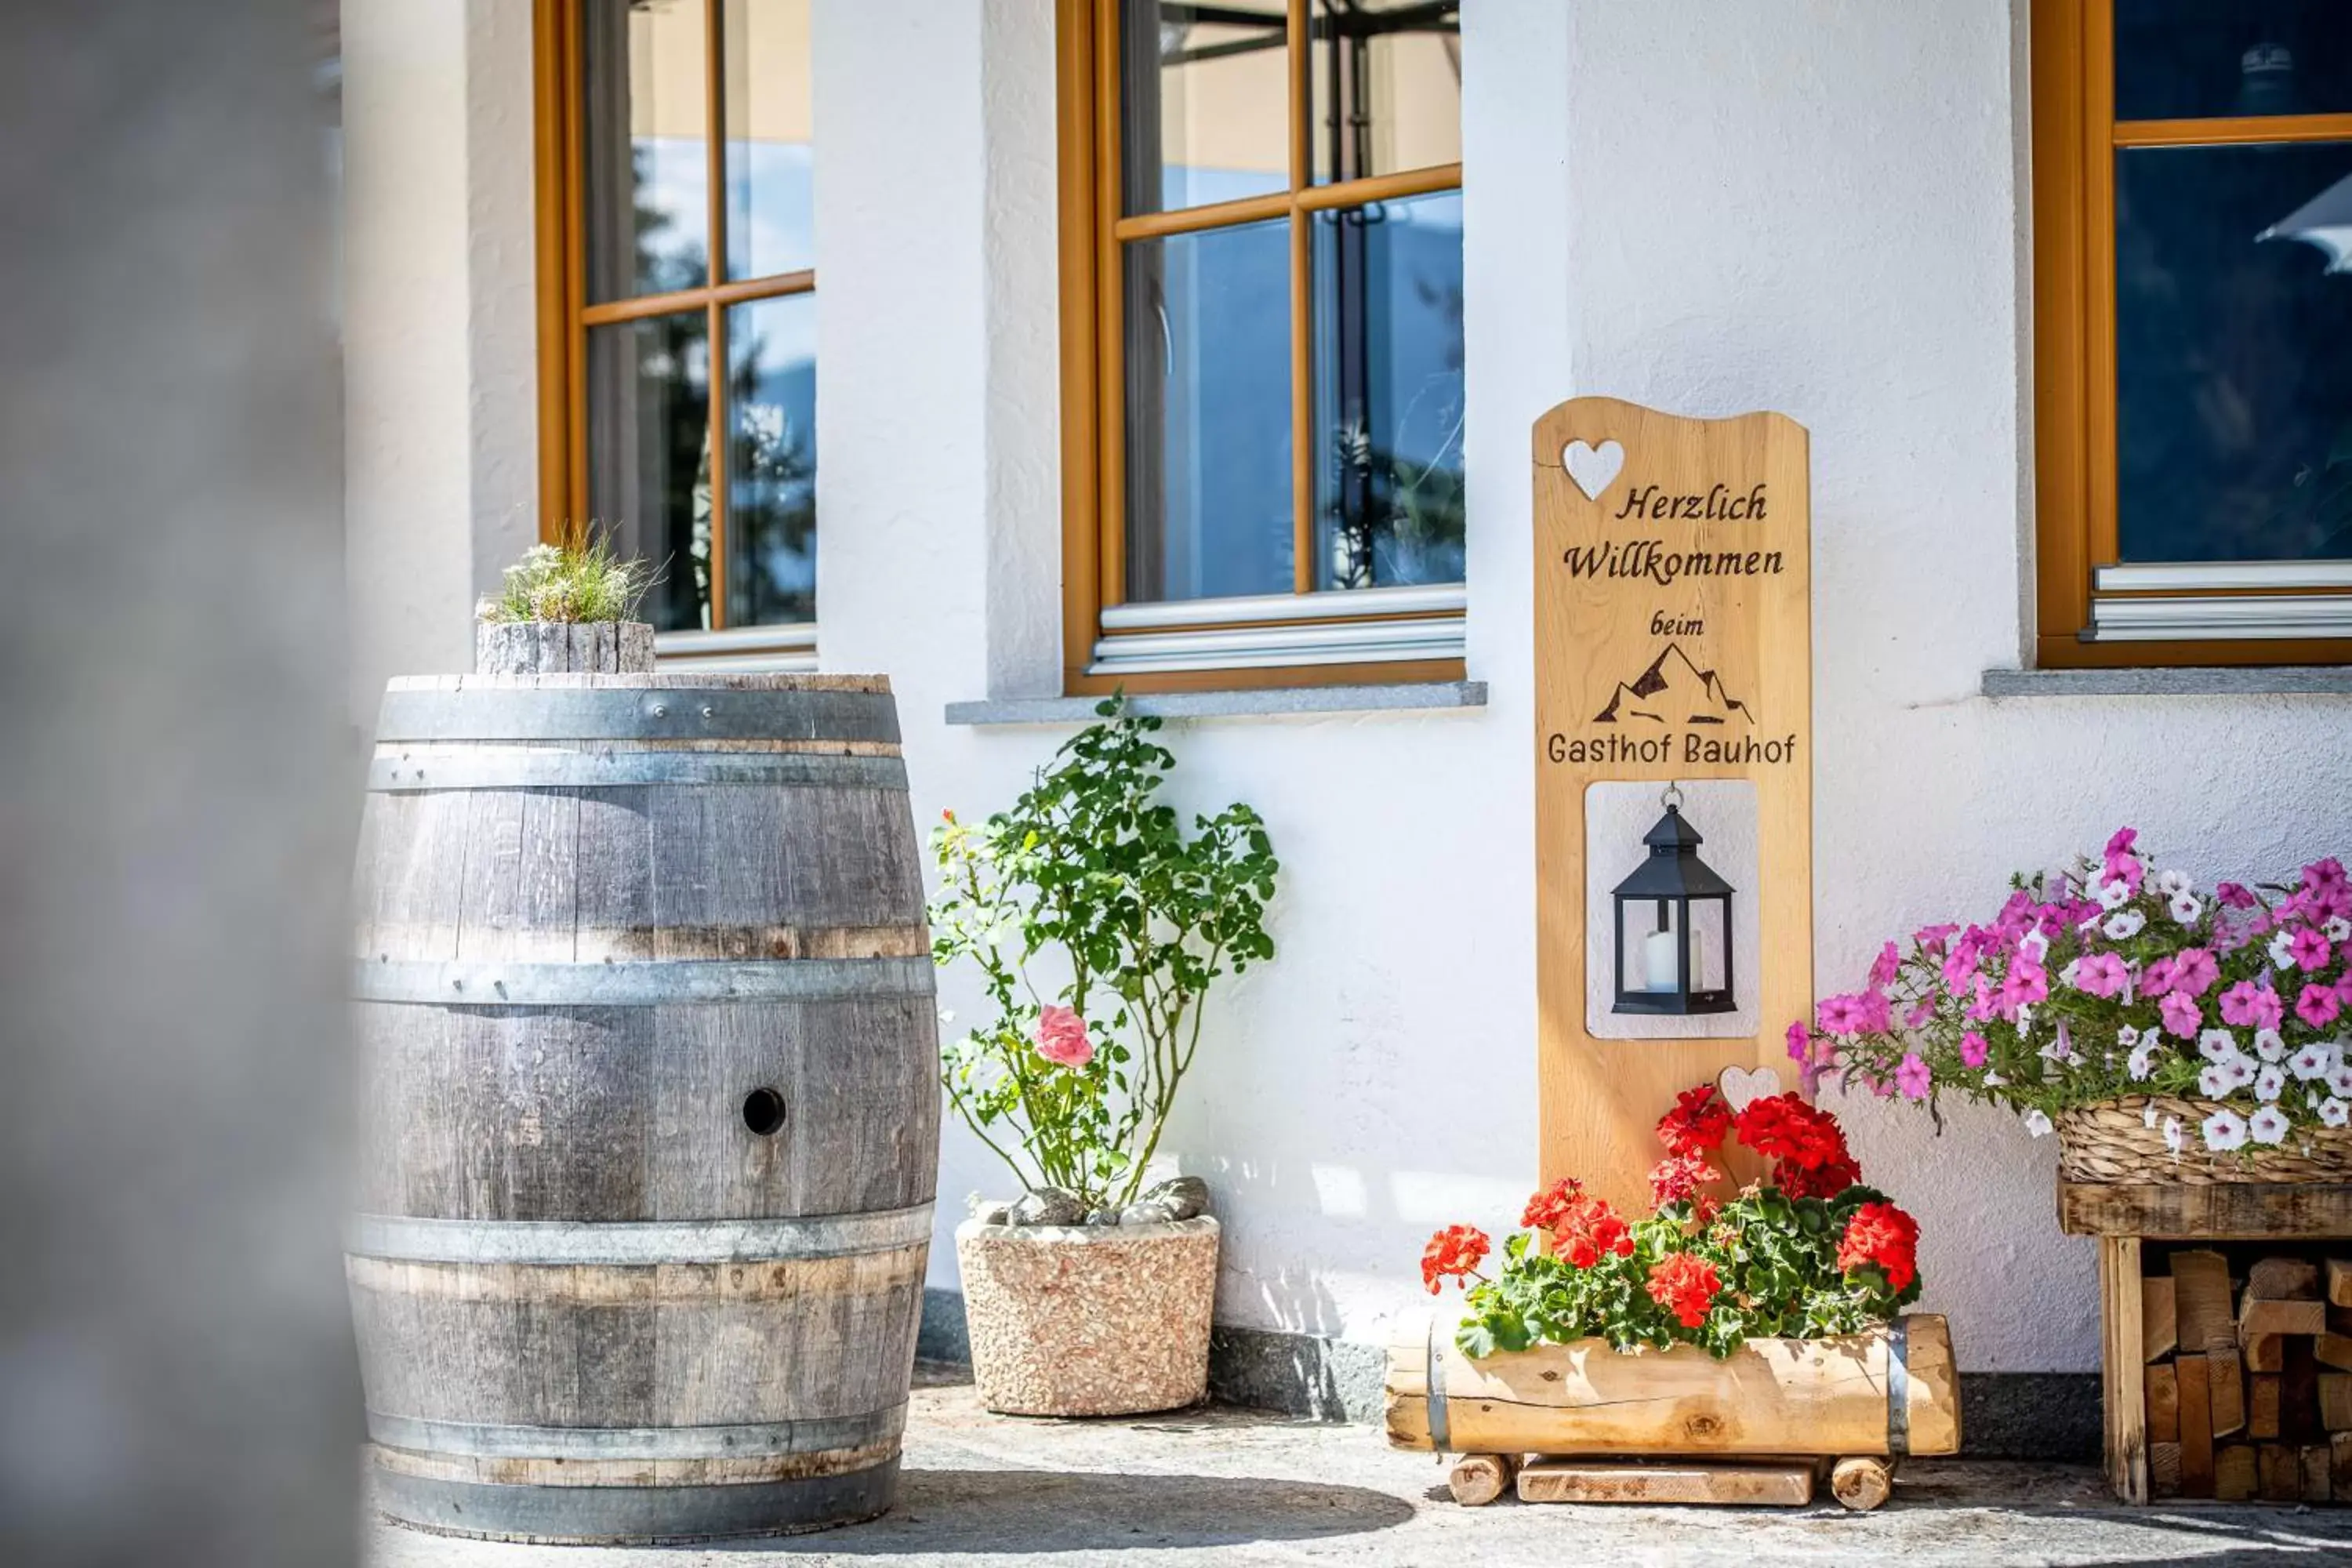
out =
column 2164, row 1032
column 1097, row 925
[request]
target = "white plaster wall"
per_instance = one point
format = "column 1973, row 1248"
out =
column 1711, row 205
column 439, row 349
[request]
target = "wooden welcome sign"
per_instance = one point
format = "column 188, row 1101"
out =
column 1673, row 604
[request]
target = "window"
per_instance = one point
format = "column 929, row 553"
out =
column 2193, row 311
column 678, row 322
column 1262, row 343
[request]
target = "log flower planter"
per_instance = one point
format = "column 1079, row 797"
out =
column 1089, row 1320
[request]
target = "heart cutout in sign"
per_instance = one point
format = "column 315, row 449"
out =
column 1594, row 468
column 1741, row 1087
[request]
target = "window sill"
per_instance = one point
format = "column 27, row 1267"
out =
column 2249, row 681
column 1262, row 702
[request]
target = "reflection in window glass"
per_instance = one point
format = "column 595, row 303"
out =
column 649, row 457
column 646, row 160
column 2233, row 348
column 771, row 461
column 1387, row 393
column 1205, row 103
column 1208, row 413
column 2194, row 60
column 770, row 152
column 1386, row 78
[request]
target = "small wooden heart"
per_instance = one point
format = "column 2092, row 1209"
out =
column 1594, row 468
column 1742, row 1087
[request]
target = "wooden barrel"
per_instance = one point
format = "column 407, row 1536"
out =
column 1891, row 1391
column 648, row 1052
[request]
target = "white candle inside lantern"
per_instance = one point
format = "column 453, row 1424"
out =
column 1659, row 953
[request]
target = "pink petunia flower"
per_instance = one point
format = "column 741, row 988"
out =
column 2101, row 974
column 1800, row 1044
column 2156, row 980
column 2194, row 971
column 1839, row 1015
column 2250, row 1007
column 2236, row 895
column 2181, row 1016
column 1885, row 966
column 1913, row 1077
column 2318, row 1005
column 2308, row 949
column 1973, row 1049
column 2025, row 984
column 1061, row 1036
column 1931, row 939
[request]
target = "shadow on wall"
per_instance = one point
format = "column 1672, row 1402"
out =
column 979, row 1512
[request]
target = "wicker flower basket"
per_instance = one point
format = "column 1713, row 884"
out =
column 2112, row 1143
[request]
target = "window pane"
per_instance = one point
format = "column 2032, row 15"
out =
column 770, row 152
column 1387, row 84
column 771, row 461
column 649, row 456
column 1387, row 393
column 1208, row 413
column 644, row 165
column 2233, row 346
column 2188, row 60
column 1204, row 105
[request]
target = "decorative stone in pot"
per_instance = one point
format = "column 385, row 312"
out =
column 1101, row 1320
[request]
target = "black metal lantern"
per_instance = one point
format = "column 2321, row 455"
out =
column 1678, row 912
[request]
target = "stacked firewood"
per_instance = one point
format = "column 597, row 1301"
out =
column 2249, row 1381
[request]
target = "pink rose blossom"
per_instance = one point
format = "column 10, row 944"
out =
column 1973, row 1049
column 1061, row 1036
column 2194, row 971
column 2181, row 1016
column 1913, row 1077
column 2101, row 974
column 2308, row 949
column 2250, row 1007
column 2318, row 1006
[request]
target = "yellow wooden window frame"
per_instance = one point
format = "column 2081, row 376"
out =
column 2075, row 137
column 565, row 314
column 1093, row 232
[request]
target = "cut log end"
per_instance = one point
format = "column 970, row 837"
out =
column 1862, row 1483
column 1477, row 1480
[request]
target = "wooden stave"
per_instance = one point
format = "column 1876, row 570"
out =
column 867, row 917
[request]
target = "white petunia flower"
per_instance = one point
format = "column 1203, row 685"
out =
column 2334, row 1111
column 2224, row 1130
column 2148, row 1114
column 2241, row 1070
column 2339, row 1080
column 2173, row 1139
column 2313, row 1060
column 2036, row 1124
column 2126, row 1037
column 2282, row 950
column 2187, row 909
column 2111, row 895
column 2024, row 1018
column 2068, row 976
column 2271, row 1082
column 2217, row 1045
column 2335, row 928
column 2061, row 1047
column 2173, row 884
column 2270, row 1045
column 2142, row 1061
column 1993, row 1079
column 2214, row 1080
column 2269, row 1125
column 2123, row 925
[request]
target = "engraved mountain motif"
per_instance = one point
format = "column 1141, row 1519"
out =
column 1674, row 690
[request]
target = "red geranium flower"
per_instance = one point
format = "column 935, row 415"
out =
column 1785, row 1129
column 1589, row 1230
column 1696, row 1123
column 1680, row 1176
column 1821, row 1182
column 1685, row 1285
column 1883, row 1237
column 1455, row 1251
column 1548, row 1207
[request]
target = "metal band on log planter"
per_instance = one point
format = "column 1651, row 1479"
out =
column 645, row 1198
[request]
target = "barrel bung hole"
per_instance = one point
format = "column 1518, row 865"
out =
column 763, row 1112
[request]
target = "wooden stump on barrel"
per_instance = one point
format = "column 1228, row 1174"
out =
column 648, row 1046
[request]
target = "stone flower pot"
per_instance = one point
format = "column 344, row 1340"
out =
column 1089, row 1320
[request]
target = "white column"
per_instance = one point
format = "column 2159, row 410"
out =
column 439, row 332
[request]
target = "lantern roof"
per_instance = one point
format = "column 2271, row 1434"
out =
column 1674, row 869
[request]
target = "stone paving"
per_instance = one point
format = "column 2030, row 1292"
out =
column 1219, row 1486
